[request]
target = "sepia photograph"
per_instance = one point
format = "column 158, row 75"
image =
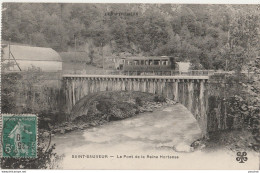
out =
column 130, row 86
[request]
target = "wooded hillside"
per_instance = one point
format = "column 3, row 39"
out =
column 206, row 34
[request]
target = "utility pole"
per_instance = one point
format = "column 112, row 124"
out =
column 60, row 23
column 75, row 42
column 225, row 84
column 9, row 56
column 75, row 49
column 30, row 39
column 102, row 55
column 9, row 50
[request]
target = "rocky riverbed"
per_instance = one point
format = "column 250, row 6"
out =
column 99, row 108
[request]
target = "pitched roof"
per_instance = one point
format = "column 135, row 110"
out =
column 31, row 53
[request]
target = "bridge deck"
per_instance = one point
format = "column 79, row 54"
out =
column 135, row 77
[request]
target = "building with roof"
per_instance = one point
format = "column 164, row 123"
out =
column 23, row 58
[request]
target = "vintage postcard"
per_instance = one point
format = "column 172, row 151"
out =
column 130, row 86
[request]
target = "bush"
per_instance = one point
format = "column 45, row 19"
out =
column 27, row 92
column 159, row 98
column 45, row 160
column 138, row 101
column 31, row 91
column 9, row 90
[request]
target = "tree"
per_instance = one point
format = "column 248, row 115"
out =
column 191, row 31
column 91, row 54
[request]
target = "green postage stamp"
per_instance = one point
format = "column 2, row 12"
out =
column 19, row 135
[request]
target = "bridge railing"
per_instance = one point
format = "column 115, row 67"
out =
column 144, row 73
column 169, row 73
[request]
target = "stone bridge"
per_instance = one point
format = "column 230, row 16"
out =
column 191, row 91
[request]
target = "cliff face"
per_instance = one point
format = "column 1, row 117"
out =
column 233, row 102
column 234, row 112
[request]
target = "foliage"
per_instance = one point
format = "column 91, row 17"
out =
column 235, row 140
column 45, row 160
column 32, row 91
column 20, row 94
column 242, row 115
column 159, row 98
column 8, row 92
column 102, row 107
column 138, row 101
column 212, row 35
column 235, row 106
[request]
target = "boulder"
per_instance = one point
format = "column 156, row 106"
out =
column 244, row 107
column 149, row 110
column 45, row 134
column 69, row 128
column 81, row 127
column 183, row 147
column 62, row 131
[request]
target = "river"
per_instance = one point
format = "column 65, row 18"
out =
column 156, row 140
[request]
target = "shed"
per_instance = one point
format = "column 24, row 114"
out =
column 46, row 59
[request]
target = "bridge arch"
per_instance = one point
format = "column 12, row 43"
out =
column 191, row 91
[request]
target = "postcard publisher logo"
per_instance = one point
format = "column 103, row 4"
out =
column 241, row 157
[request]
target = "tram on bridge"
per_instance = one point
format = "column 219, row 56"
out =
column 156, row 65
column 148, row 64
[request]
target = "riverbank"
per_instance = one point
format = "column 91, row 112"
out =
column 100, row 108
column 243, row 118
column 169, row 130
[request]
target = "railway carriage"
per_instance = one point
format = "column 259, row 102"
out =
column 144, row 65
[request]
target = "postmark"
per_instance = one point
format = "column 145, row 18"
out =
column 19, row 135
